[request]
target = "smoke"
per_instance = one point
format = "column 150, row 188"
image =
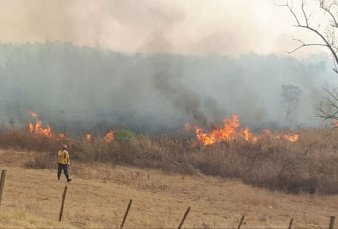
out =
column 193, row 27
column 84, row 89
column 166, row 73
column 165, row 79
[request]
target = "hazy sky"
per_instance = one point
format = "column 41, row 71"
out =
column 163, row 83
column 200, row 27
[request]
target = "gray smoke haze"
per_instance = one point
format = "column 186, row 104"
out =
column 85, row 89
column 194, row 27
column 167, row 70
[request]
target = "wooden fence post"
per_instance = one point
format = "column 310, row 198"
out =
column 126, row 214
column 332, row 218
column 63, row 202
column 184, row 217
column 2, row 183
column 240, row 223
column 290, row 225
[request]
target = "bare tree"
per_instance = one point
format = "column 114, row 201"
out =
column 326, row 32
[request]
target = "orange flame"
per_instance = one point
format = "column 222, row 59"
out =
column 291, row 138
column 248, row 136
column 231, row 131
column 109, row 136
column 33, row 114
column 38, row 128
column 335, row 122
column 61, row 135
column 88, row 137
column 228, row 132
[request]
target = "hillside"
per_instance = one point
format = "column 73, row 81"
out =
column 99, row 194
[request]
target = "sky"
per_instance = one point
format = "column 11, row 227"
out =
column 189, row 27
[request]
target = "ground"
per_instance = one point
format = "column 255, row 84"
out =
column 99, row 194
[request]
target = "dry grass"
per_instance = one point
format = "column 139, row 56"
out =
column 307, row 166
column 99, row 194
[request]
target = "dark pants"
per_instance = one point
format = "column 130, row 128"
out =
column 65, row 170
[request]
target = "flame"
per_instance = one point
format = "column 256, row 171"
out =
column 61, row 135
column 228, row 132
column 335, row 122
column 88, row 137
column 33, row 114
column 109, row 136
column 292, row 137
column 38, row 128
column 231, row 131
column 248, row 136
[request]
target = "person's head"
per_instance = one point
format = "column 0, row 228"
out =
column 64, row 146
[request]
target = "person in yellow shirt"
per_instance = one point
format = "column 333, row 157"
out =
column 63, row 162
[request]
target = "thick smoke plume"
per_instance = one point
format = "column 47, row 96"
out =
column 81, row 89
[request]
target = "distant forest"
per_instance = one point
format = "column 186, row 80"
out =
column 81, row 88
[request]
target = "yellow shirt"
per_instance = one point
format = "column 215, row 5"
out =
column 63, row 157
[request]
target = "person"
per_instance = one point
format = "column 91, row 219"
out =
column 63, row 162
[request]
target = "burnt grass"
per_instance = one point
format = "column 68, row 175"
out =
column 309, row 165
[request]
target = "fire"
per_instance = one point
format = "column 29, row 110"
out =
column 248, row 136
column 61, row 135
column 335, row 122
column 38, row 128
column 231, row 131
column 228, row 132
column 43, row 130
column 292, row 137
column 88, row 137
column 33, row 114
column 109, row 136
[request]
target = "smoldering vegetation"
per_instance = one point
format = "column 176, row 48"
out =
column 79, row 89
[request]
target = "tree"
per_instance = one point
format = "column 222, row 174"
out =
column 290, row 100
column 326, row 31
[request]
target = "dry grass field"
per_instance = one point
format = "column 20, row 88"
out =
column 99, row 194
column 309, row 165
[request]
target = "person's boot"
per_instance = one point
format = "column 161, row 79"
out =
column 68, row 179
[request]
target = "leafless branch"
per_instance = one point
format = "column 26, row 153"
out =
column 326, row 42
column 327, row 9
column 328, row 110
column 302, row 44
column 304, row 13
column 290, row 9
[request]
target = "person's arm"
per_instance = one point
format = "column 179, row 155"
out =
column 68, row 160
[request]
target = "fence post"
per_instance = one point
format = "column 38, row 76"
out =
column 240, row 223
column 332, row 218
column 126, row 214
column 2, row 183
column 290, row 225
column 63, row 202
column 184, row 217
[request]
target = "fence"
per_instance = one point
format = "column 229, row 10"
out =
column 180, row 225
